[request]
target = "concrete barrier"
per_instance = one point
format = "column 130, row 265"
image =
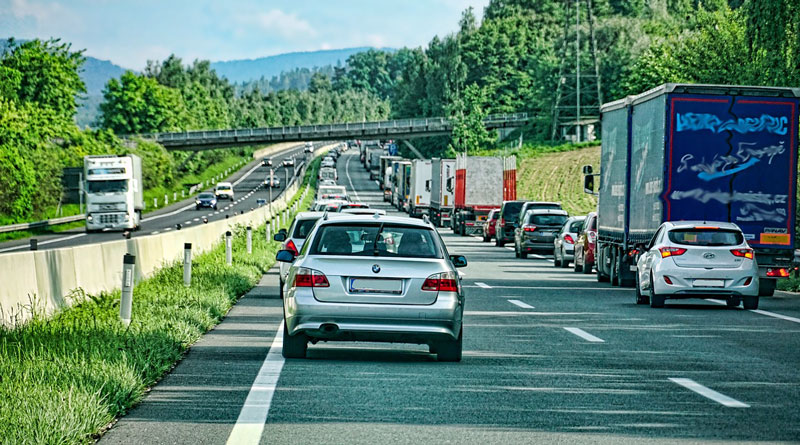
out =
column 44, row 281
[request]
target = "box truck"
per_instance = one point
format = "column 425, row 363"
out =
column 420, row 192
column 113, row 192
column 482, row 184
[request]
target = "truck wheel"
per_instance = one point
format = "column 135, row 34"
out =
column 623, row 280
column 641, row 298
column 450, row 351
column 733, row 302
column 614, row 278
column 750, row 303
column 656, row 300
column 556, row 261
column 294, row 346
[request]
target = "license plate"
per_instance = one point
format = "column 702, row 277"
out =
column 375, row 286
column 708, row 283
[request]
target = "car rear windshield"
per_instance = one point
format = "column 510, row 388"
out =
column 303, row 228
column 547, row 220
column 575, row 227
column 706, row 237
column 511, row 210
column 387, row 240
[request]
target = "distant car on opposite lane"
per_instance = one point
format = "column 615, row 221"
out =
column 207, row 200
column 224, row 190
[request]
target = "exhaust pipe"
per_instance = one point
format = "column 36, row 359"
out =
column 329, row 328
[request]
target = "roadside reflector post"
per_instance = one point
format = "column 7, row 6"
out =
column 155, row 203
column 187, row 264
column 268, row 228
column 183, row 193
column 166, row 200
column 228, row 248
column 174, row 196
column 34, row 244
column 249, row 240
column 126, row 297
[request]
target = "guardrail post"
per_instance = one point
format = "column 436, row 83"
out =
column 187, row 264
column 228, row 248
column 174, row 196
column 166, row 200
column 34, row 244
column 126, row 297
column 249, row 240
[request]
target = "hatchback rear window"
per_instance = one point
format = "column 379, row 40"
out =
column 303, row 228
column 511, row 210
column 706, row 237
column 547, row 220
column 386, row 240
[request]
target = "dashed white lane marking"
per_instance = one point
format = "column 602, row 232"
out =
column 510, row 248
column 762, row 312
column 709, row 393
column 483, row 285
column 553, row 287
column 521, row 304
column 196, row 219
column 155, row 232
column 168, row 229
column 41, row 243
column 250, row 424
column 585, row 335
column 187, row 222
column 461, row 274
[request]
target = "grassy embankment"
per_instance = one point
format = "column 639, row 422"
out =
column 66, row 377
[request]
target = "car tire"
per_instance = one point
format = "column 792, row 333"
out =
column 656, row 300
column 516, row 251
column 197, row 207
column 523, row 255
column 640, row 297
column 564, row 262
column 614, row 277
column 575, row 266
column 450, row 351
column 750, row 303
column 294, row 346
column 486, row 239
column 280, row 289
column 733, row 302
column 500, row 243
column 556, row 261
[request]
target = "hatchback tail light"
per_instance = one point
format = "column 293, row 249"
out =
column 744, row 253
column 592, row 235
column 502, row 221
column 529, row 228
column 310, row 278
column 777, row 272
column 667, row 280
column 441, row 282
column 671, row 251
column 290, row 246
column 568, row 239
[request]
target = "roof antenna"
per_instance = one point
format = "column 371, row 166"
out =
column 377, row 215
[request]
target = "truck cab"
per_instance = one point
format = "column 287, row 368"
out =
column 114, row 196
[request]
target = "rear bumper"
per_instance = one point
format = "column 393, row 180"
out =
column 683, row 278
column 373, row 322
column 537, row 244
column 111, row 221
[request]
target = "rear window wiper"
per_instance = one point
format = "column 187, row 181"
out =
column 375, row 251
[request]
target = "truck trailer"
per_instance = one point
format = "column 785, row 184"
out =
column 442, row 187
column 374, row 153
column 698, row 152
column 385, row 179
column 420, row 193
column 398, row 182
column 481, row 185
column 113, row 192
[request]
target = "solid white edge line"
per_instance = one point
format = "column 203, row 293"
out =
column 585, row 335
column 521, row 304
column 250, row 424
column 482, row 284
column 349, row 179
column 709, row 393
column 773, row 314
column 42, row 243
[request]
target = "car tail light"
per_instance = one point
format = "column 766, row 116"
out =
column 592, row 235
column 667, row 280
column 777, row 272
column 502, row 221
column 290, row 246
column 529, row 228
column 568, row 239
column 310, row 278
column 441, row 282
column 744, row 253
column 469, row 223
column 671, row 251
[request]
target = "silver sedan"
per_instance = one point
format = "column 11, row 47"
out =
column 373, row 278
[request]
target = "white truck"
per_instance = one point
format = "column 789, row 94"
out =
column 374, row 153
column 420, row 195
column 442, row 188
column 114, row 192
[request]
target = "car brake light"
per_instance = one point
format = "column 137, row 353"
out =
column 310, row 278
column 671, row 251
column 290, row 246
column 777, row 273
column 748, row 281
column 592, row 236
column 744, row 253
column 441, row 282
column 502, row 221
column 568, row 239
column 528, row 228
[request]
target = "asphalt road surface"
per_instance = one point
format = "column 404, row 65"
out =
column 550, row 356
column 248, row 188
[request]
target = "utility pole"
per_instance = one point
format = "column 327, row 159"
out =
column 578, row 70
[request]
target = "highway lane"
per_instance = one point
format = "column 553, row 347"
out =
column 549, row 356
column 248, row 188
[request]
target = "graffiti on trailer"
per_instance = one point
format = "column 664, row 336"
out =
column 726, row 165
column 752, row 212
column 743, row 125
column 722, row 197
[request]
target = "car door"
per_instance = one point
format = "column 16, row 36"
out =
column 645, row 263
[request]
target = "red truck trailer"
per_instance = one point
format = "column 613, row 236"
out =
column 482, row 184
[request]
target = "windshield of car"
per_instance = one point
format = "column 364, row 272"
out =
column 303, row 228
column 547, row 220
column 205, row 196
column 223, row 187
column 112, row 186
column 706, row 237
column 388, row 240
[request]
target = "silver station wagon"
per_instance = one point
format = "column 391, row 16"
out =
column 373, row 278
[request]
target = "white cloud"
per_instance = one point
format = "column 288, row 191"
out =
column 48, row 19
column 325, row 46
column 376, row 40
column 276, row 21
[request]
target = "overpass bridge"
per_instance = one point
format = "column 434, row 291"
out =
column 393, row 129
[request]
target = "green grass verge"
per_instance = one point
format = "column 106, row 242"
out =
column 791, row 284
column 66, row 377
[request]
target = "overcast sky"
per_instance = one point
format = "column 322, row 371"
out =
column 132, row 31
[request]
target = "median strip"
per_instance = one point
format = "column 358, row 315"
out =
column 709, row 393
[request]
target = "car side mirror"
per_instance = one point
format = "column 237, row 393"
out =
column 283, row 231
column 285, row 256
column 280, row 237
column 459, row 260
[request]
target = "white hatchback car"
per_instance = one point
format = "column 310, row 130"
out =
column 224, row 190
column 697, row 259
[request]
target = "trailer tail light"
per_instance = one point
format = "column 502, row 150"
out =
column 671, row 251
column 529, row 228
column 743, row 253
column 568, row 239
column 441, row 282
column 290, row 246
column 310, row 278
column 777, row 272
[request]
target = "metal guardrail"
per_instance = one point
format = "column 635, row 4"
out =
column 41, row 224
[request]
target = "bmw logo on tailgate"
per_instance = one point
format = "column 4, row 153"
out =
column 376, row 268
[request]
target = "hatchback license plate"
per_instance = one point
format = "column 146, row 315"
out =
column 708, row 283
column 375, row 286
